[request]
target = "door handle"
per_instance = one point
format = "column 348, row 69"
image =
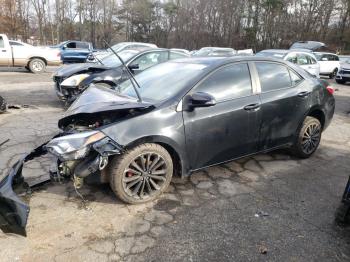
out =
column 252, row 107
column 4, row 50
column 303, row 94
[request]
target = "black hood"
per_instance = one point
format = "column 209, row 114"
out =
column 99, row 99
column 72, row 69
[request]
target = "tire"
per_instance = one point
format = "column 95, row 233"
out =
column 134, row 187
column 3, row 105
column 342, row 214
column 308, row 139
column 342, row 82
column 333, row 74
column 37, row 66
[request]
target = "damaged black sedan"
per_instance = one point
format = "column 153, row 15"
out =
column 179, row 117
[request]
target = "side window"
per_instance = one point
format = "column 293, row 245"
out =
column 82, row 45
column 293, row 58
column 2, row 44
column 302, row 59
column 176, row 55
column 336, row 58
column 311, row 60
column 296, row 79
column 228, row 83
column 150, row 59
column 324, row 58
column 12, row 43
column 71, row 45
column 272, row 76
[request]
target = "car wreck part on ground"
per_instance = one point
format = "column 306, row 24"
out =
column 3, row 105
column 13, row 211
column 70, row 164
column 343, row 212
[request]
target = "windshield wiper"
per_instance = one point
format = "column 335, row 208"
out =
column 132, row 79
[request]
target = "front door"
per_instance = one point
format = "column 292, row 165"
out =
column 228, row 129
column 5, row 53
column 285, row 97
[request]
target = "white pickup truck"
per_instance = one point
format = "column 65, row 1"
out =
column 18, row 54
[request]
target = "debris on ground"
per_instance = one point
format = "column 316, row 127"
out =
column 261, row 214
column 263, row 249
column 4, row 142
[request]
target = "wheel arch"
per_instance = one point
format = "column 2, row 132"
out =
column 179, row 159
column 37, row 57
column 318, row 114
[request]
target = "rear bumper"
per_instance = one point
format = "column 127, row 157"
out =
column 14, row 211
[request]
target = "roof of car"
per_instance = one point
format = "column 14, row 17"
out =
column 325, row 53
column 216, row 61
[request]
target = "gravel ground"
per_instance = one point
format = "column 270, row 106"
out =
column 211, row 216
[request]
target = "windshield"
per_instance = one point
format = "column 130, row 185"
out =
column 113, row 61
column 162, row 81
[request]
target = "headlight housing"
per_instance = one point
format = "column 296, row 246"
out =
column 73, row 147
column 75, row 80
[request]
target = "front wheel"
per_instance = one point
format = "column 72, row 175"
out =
column 342, row 214
column 342, row 82
column 333, row 74
column 141, row 174
column 37, row 66
column 309, row 138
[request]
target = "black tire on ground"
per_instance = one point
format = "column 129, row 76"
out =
column 342, row 82
column 342, row 214
column 37, row 66
column 333, row 74
column 133, row 186
column 308, row 139
column 3, row 105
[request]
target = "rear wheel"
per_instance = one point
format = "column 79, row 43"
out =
column 141, row 174
column 37, row 66
column 342, row 215
column 342, row 82
column 309, row 138
column 333, row 74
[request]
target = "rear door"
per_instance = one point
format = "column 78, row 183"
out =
column 5, row 53
column 284, row 101
column 228, row 129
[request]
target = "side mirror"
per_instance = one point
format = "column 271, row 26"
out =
column 134, row 66
column 199, row 99
column 64, row 48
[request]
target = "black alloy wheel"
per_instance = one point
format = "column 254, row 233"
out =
column 142, row 173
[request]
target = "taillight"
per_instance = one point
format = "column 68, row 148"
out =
column 330, row 90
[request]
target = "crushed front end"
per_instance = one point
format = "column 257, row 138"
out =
column 80, row 155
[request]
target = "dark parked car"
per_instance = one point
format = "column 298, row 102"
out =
column 187, row 115
column 71, row 81
column 343, row 212
column 74, row 51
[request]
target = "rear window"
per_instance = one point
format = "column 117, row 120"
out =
column 2, row 45
column 273, row 76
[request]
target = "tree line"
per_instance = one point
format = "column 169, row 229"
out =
column 189, row 24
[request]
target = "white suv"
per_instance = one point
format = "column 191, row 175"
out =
column 329, row 64
column 304, row 59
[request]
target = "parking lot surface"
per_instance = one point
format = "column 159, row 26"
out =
column 270, row 207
